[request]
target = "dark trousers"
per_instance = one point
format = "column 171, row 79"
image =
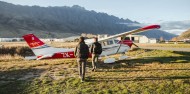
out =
column 94, row 60
column 81, row 68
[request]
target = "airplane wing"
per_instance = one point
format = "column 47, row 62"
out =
column 151, row 27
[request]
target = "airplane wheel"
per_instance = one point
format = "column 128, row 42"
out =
column 109, row 60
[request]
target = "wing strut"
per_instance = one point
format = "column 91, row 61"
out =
column 123, row 38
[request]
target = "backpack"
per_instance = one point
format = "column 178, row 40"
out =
column 97, row 48
column 82, row 51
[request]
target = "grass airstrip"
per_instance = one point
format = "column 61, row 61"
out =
column 144, row 72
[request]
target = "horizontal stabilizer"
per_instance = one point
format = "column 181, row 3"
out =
column 30, row 58
column 45, row 56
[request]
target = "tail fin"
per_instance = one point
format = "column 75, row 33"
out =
column 33, row 41
column 38, row 47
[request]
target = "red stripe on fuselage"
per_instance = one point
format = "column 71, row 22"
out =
column 65, row 55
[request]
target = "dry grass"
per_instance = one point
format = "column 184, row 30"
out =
column 21, row 48
column 54, row 44
column 17, row 50
column 147, row 72
column 63, row 44
column 73, row 44
column 13, row 44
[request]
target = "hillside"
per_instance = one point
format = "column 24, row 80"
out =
column 17, row 20
column 185, row 35
column 157, row 34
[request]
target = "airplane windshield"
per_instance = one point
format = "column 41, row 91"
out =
column 116, row 41
column 110, row 42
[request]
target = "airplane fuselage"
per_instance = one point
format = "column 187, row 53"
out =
column 109, row 45
column 51, row 52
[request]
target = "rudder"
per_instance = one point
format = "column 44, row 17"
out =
column 33, row 41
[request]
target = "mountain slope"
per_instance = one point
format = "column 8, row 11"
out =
column 185, row 35
column 158, row 34
column 17, row 20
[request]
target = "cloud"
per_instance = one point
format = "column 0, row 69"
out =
column 133, row 24
column 175, row 27
column 176, row 31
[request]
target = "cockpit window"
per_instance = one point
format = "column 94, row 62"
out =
column 110, row 42
column 116, row 41
column 103, row 43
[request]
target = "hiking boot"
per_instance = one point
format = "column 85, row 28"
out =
column 82, row 80
column 93, row 70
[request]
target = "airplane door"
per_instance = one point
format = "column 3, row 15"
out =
column 109, row 47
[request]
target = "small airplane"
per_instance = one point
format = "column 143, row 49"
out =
column 110, row 45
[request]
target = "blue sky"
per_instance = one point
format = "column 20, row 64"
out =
column 144, row 11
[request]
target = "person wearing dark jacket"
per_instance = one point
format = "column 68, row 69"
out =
column 82, row 53
column 96, row 50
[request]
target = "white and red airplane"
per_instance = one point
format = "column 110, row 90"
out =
column 110, row 46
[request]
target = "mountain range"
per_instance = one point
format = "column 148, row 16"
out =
column 59, row 22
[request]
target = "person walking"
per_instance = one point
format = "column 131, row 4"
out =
column 82, row 53
column 96, row 50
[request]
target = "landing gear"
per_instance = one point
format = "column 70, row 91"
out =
column 123, row 56
column 109, row 60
